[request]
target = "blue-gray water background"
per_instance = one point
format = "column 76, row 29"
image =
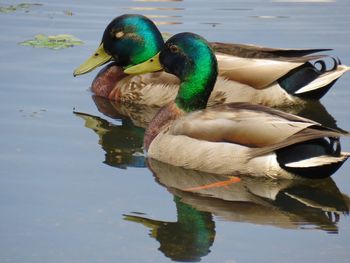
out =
column 60, row 201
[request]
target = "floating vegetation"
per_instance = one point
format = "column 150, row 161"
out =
column 14, row 8
column 68, row 12
column 53, row 42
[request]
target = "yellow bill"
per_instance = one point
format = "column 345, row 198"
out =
column 99, row 58
column 150, row 65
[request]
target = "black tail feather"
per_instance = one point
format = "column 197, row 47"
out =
column 307, row 150
column 305, row 74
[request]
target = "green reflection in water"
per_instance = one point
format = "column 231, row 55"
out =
column 187, row 239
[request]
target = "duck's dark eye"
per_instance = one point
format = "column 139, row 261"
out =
column 174, row 49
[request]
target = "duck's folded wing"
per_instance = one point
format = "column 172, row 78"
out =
column 253, row 51
column 257, row 73
column 260, row 73
column 260, row 128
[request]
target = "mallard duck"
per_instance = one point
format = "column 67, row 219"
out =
column 247, row 73
column 231, row 138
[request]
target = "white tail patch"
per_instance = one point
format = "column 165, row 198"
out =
column 324, row 79
column 318, row 161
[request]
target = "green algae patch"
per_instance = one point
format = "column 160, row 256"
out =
column 14, row 8
column 53, row 42
column 68, row 12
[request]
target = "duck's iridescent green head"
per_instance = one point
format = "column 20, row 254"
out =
column 128, row 40
column 132, row 39
column 188, row 56
column 191, row 59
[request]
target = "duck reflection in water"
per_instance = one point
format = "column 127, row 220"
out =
column 287, row 204
column 121, row 142
column 187, row 239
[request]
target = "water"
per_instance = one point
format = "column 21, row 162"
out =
column 75, row 187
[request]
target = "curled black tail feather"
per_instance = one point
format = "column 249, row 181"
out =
column 308, row 150
column 305, row 74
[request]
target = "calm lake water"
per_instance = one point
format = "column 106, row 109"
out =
column 76, row 188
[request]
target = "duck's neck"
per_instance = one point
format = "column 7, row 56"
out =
column 164, row 116
column 196, row 87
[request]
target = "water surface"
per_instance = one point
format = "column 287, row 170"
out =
column 74, row 187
